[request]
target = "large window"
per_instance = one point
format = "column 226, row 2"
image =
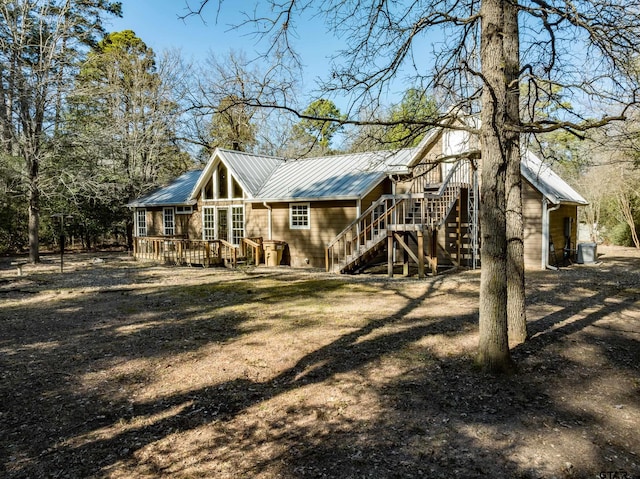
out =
column 208, row 223
column 299, row 216
column 169, row 221
column 237, row 224
column 141, row 222
column 224, row 223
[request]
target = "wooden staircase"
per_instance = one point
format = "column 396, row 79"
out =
column 398, row 218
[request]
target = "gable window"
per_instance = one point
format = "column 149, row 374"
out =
column 299, row 216
column 223, row 182
column 141, row 222
column 169, row 221
column 237, row 190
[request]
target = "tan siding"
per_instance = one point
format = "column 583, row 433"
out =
column 430, row 156
column 327, row 219
column 256, row 220
column 383, row 188
column 154, row 222
column 532, row 212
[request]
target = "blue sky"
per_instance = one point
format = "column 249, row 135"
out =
column 156, row 22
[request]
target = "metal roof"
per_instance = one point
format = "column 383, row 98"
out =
column 250, row 171
column 348, row 176
column 175, row 193
column 545, row 180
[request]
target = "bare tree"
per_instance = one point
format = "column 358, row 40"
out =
column 39, row 43
column 583, row 48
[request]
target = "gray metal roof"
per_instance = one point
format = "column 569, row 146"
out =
column 545, row 180
column 175, row 193
column 330, row 177
column 250, row 170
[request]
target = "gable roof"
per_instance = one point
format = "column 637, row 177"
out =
column 177, row 192
column 248, row 169
column 338, row 177
column 547, row 182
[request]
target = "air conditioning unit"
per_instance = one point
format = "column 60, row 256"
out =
column 587, row 253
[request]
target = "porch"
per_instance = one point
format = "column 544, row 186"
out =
column 184, row 251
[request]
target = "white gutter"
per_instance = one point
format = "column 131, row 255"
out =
column 268, row 219
column 545, row 232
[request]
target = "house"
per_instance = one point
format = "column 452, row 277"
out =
column 346, row 212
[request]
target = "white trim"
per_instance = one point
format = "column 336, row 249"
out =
column 214, row 211
column 301, row 216
column 205, row 229
column 166, row 230
column 141, row 230
column 232, row 229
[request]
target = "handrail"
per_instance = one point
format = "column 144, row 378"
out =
column 367, row 212
column 256, row 246
column 425, row 210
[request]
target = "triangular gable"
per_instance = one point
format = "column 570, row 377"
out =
column 178, row 192
column 249, row 170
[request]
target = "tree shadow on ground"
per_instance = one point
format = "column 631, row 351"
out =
column 377, row 400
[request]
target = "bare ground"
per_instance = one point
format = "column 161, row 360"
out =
column 118, row 369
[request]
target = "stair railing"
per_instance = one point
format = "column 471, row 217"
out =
column 405, row 211
column 363, row 233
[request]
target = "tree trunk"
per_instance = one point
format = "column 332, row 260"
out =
column 493, row 348
column 516, row 313
column 34, row 211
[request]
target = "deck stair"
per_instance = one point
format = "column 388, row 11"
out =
column 369, row 235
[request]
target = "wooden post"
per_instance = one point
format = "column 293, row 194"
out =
column 434, row 251
column 459, row 231
column 420, row 254
column 326, row 259
column 405, row 256
column 390, row 253
column 207, row 253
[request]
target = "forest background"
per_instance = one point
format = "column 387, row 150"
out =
column 107, row 119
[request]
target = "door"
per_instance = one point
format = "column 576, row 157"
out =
column 222, row 223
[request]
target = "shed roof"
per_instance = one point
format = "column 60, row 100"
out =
column 545, row 180
column 175, row 193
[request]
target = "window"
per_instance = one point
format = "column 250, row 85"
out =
column 141, row 222
column 169, row 221
column 237, row 224
column 184, row 210
column 237, row 190
column 299, row 216
column 223, row 182
column 208, row 223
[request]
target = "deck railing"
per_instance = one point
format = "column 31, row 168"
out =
column 171, row 249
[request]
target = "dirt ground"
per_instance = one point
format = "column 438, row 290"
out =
column 118, row 369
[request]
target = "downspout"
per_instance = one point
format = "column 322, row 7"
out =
column 545, row 232
column 264, row 203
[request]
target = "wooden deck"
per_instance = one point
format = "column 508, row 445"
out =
column 184, row 251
